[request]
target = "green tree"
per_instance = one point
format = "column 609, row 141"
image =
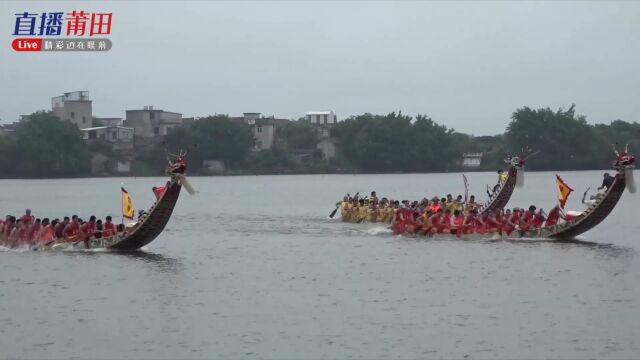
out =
column 44, row 146
column 564, row 139
column 297, row 135
column 213, row 138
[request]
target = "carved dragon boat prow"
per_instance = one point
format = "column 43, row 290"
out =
column 515, row 178
column 603, row 206
column 149, row 225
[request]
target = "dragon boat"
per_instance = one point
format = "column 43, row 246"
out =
column 578, row 223
column 500, row 194
column 600, row 209
column 148, row 226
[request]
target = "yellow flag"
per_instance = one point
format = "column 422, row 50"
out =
column 563, row 191
column 127, row 205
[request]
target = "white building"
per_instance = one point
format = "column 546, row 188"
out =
column 107, row 121
column 150, row 122
column 327, row 118
column 75, row 107
column 263, row 128
column 471, row 160
column 119, row 137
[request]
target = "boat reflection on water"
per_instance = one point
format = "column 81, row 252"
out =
column 161, row 262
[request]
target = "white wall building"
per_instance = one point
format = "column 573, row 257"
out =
column 326, row 118
column 118, row 136
column 263, row 128
column 75, row 107
column 471, row 159
column 150, row 122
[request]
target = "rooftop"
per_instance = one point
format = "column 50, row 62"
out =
column 106, row 127
column 319, row 112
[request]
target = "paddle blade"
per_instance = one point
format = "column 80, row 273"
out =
column 520, row 178
column 333, row 213
column 187, row 185
column 631, row 183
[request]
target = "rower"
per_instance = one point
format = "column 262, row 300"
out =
column 108, row 227
column 72, row 229
column 58, row 231
column 27, row 217
column 471, row 204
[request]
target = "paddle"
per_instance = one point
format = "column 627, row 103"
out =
column 333, row 213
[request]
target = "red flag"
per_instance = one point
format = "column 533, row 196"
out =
column 563, row 191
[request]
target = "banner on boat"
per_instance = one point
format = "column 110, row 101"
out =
column 127, row 205
column 563, row 191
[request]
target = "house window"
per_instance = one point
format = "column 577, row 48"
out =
column 325, row 119
column 156, row 130
column 259, row 128
column 152, row 115
column 84, row 119
column 73, row 115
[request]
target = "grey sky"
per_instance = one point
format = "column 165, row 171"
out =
column 468, row 65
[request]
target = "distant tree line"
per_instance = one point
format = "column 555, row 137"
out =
column 46, row 147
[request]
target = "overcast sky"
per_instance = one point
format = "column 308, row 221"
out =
column 468, row 65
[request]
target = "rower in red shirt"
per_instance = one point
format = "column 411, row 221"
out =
column 27, row 217
column 553, row 217
column 88, row 229
column 526, row 220
column 494, row 222
column 436, row 220
column 445, row 222
column 435, row 206
column 539, row 219
column 512, row 220
column 108, row 228
column 71, row 231
column 398, row 222
column 457, row 223
column 34, row 230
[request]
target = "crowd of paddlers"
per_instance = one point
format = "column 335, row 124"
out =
column 28, row 230
column 446, row 215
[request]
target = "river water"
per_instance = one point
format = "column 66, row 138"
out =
column 251, row 267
